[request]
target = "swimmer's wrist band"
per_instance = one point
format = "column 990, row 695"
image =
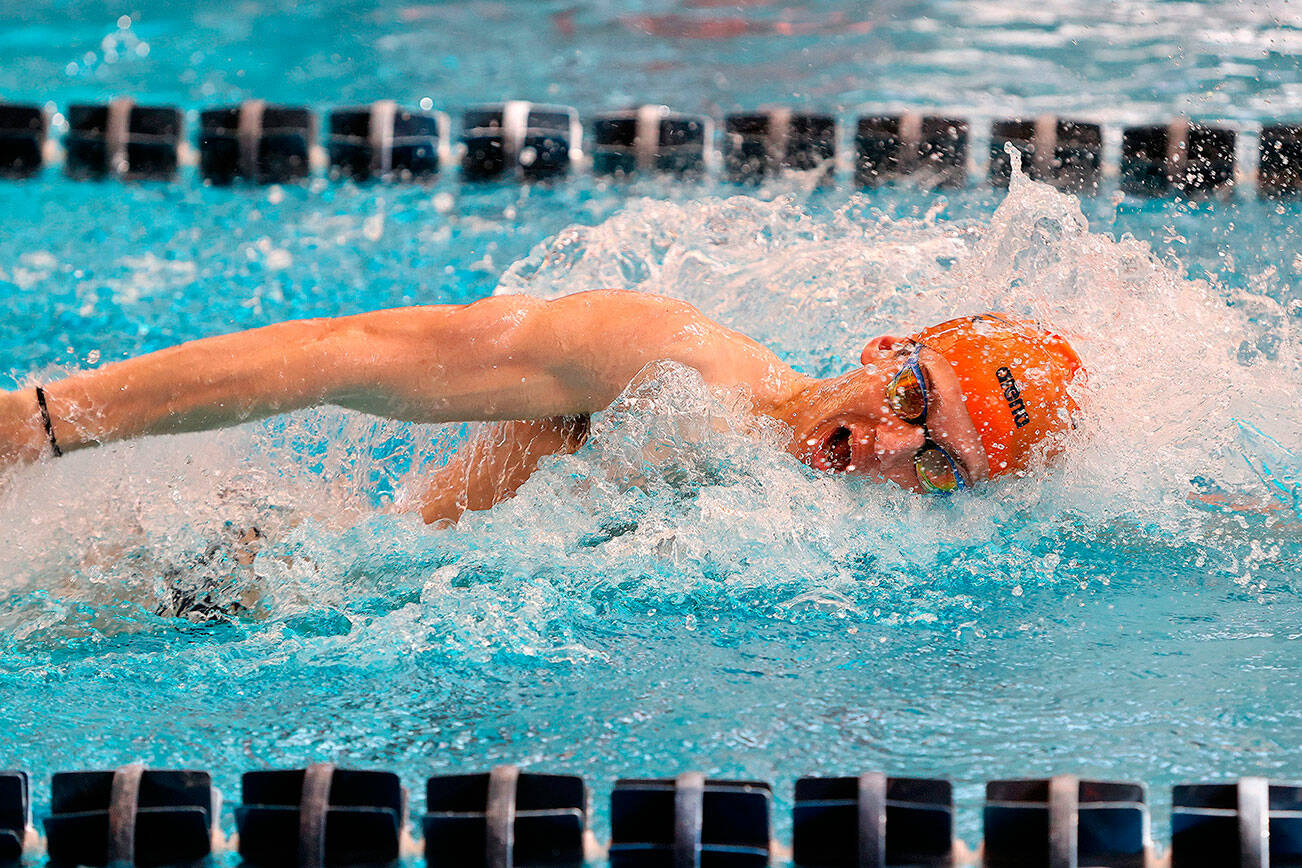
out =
column 45, row 420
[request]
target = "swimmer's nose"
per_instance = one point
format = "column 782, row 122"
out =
column 897, row 439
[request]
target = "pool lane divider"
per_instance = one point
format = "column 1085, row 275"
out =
column 388, row 142
column 930, row 151
column 15, row 815
column 517, row 140
column 1063, row 822
column 764, row 144
column 1279, row 172
column 1252, row 822
column 134, row 817
column 24, row 130
column 651, row 139
column 1064, row 153
column 690, row 821
column 320, row 816
column 131, row 816
column 504, row 818
column 1182, row 157
column 256, row 142
column 873, row 820
column 123, row 140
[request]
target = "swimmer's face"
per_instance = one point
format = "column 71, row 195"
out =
column 845, row 425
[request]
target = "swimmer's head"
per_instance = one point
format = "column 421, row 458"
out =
column 996, row 402
column 1015, row 378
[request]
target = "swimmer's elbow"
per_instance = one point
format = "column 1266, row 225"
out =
column 438, row 362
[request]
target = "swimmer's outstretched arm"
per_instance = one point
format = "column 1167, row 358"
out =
column 508, row 357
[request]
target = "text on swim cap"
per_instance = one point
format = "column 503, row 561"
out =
column 1014, row 397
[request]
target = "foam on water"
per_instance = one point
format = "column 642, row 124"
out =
column 681, row 500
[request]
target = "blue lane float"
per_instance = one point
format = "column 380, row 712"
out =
column 256, row 142
column 652, row 139
column 928, row 150
column 690, row 822
column 130, row 817
column 1182, row 157
column 1279, row 167
column 319, row 816
column 15, row 814
column 1062, row 822
column 872, row 821
column 386, row 141
column 1251, row 822
column 23, row 130
column 505, row 818
column 520, row 140
column 1065, row 153
column 757, row 145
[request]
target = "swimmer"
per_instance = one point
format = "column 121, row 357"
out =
column 946, row 409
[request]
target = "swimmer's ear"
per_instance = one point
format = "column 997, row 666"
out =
column 877, row 346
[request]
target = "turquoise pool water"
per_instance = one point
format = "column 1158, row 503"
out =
column 734, row 614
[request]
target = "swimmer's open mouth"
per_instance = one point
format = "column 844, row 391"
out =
column 834, row 452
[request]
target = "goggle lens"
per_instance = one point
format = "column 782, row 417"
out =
column 936, row 472
column 907, row 396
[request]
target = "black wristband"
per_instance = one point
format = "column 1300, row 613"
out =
column 45, row 420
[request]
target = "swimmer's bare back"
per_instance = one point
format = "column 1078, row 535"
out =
column 498, row 359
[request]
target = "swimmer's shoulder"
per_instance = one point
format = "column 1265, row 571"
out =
column 657, row 328
column 597, row 317
column 603, row 338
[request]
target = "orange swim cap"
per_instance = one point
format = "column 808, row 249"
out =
column 1014, row 377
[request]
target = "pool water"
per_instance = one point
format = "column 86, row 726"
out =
column 733, row 612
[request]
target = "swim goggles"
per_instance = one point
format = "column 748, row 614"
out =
column 906, row 395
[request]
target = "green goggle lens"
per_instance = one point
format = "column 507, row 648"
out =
column 936, row 472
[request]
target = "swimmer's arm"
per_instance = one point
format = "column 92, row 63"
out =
column 498, row 460
column 501, row 358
